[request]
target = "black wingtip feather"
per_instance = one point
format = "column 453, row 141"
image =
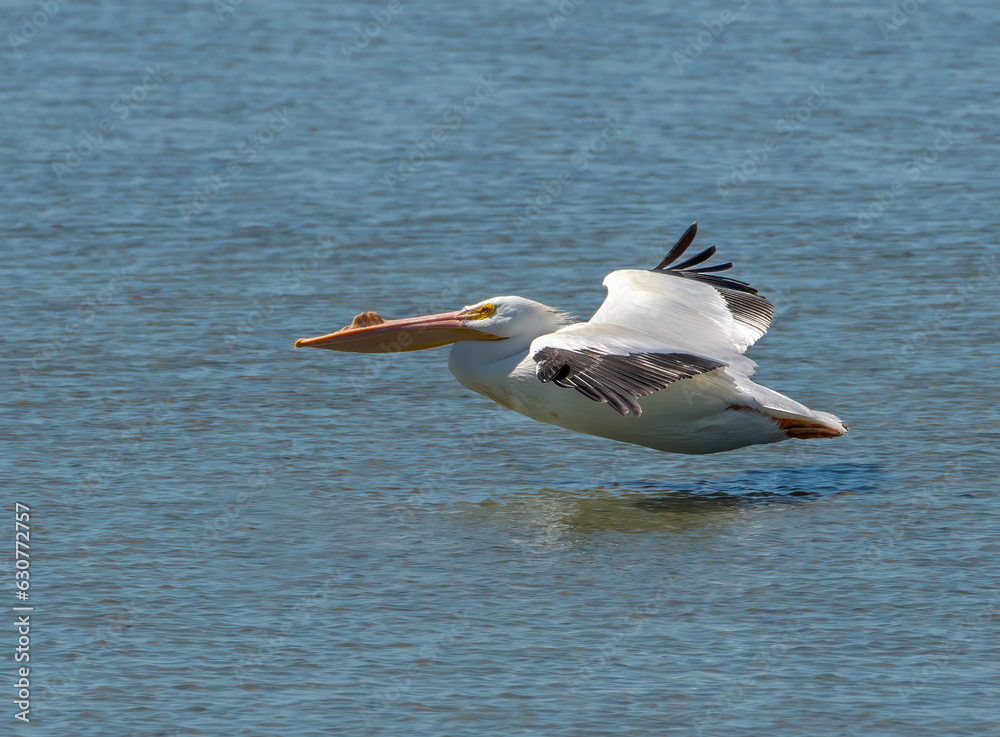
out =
column 703, row 274
column 695, row 260
column 679, row 247
column 717, row 267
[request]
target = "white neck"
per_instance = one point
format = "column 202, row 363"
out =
column 483, row 365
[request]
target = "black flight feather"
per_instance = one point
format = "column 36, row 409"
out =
column 743, row 301
column 679, row 247
column 695, row 260
column 619, row 381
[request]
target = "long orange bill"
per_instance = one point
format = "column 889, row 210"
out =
column 370, row 334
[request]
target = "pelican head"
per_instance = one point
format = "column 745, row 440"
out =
column 499, row 318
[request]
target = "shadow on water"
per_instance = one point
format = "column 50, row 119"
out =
column 565, row 516
column 786, row 485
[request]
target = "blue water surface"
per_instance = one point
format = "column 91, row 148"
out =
column 231, row 537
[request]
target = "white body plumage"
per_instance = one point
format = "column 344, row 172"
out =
column 662, row 363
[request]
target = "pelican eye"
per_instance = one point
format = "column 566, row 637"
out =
column 482, row 312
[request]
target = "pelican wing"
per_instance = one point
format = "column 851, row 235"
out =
column 618, row 380
column 691, row 309
column 654, row 328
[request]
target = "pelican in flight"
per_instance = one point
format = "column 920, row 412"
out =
column 660, row 364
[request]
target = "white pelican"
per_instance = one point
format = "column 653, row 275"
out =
column 660, row 364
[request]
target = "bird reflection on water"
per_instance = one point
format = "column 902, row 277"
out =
column 555, row 516
column 786, row 485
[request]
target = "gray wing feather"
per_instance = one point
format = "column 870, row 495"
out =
column 617, row 380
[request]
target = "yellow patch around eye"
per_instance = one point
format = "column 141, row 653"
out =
column 482, row 312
